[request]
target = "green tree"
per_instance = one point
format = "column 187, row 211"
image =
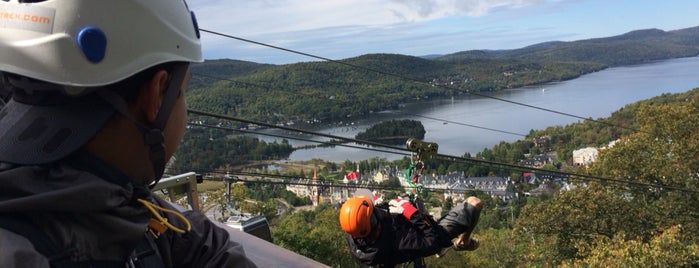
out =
column 268, row 208
column 239, row 193
column 393, row 132
column 498, row 249
column 216, row 199
column 317, row 235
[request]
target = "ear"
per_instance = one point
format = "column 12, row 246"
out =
column 152, row 93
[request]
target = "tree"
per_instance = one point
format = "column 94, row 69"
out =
column 216, row 199
column 497, row 250
column 239, row 193
column 599, row 216
column 665, row 250
column 447, row 205
column 348, row 166
column 317, row 235
column 577, row 217
column 395, row 132
column 664, row 152
column 268, row 209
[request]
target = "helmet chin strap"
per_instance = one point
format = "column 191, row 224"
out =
column 153, row 135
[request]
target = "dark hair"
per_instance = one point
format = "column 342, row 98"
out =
column 129, row 88
column 23, row 87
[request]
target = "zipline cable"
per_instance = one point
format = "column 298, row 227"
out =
column 452, row 158
column 462, row 124
column 331, row 143
column 324, row 184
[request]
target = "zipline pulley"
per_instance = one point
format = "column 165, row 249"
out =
column 420, row 151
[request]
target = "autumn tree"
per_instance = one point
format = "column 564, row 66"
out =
column 664, row 250
column 663, row 156
column 579, row 216
column 644, row 185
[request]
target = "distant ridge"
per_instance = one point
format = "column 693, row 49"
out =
column 630, row 48
column 431, row 56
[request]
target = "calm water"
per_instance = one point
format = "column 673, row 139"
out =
column 594, row 95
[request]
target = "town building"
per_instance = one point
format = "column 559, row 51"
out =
column 585, row 156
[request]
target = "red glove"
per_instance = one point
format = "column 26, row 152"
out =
column 402, row 206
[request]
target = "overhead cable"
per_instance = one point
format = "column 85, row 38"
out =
column 452, row 158
column 463, row 124
column 331, row 143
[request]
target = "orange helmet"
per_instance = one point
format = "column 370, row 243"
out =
column 355, row 216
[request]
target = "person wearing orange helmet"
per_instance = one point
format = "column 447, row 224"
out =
column 387, row 234
column 96, row 111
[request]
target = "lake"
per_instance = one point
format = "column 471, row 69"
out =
column 471, row 124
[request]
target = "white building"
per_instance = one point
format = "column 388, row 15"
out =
column 585, row 156
column 301, row 189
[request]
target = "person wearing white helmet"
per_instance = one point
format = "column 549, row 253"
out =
column 96, row 110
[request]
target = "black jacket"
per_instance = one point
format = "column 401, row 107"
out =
column 88, row 211
column 401, row 240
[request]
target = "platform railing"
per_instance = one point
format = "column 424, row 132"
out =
column 181, row 184
column 259, row 251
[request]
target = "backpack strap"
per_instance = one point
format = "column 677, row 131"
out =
column 146, row 254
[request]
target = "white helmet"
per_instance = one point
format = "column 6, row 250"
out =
column 88, row 43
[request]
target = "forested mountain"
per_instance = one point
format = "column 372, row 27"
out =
column 332, row 92
column 223, row 68
column 357, row 87
column 631, row 48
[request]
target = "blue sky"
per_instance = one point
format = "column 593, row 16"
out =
column 340, row 29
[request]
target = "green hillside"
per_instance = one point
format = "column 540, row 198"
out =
column 330, row 91
column 360, row 86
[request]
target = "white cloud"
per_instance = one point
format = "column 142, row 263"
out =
column 340, row 29
column 262, row 17
column 432, row 9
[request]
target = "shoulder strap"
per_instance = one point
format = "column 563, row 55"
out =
column 146, row 254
